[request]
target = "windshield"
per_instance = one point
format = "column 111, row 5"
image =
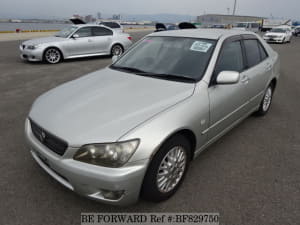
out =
column 66, row 32
column 278, row 30
column 168, row 57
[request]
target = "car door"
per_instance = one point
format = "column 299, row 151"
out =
column 259, row 68
column 103, row 38
column 228, row 103
column 80, row 45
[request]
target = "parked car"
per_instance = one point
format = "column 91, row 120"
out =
column 133, row 128
column 250, row 26
column 282, row 34
column 183, row 25
column 297, row 31
column 76, row 41
column 219, row 26
column 113, row 25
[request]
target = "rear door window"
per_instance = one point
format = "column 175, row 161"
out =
column 252, row 52
column 263, row 53
column 101, row 31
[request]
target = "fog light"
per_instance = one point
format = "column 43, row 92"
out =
column 112, row 195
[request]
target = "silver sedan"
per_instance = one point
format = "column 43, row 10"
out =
column 74, row 42
column 133, row 128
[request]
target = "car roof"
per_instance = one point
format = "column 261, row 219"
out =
column 202, row 33
column 91, row 24
column 283, row 27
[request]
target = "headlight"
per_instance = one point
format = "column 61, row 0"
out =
column 108, row 155
column 32, row 47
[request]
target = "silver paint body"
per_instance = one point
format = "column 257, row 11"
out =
column 76, row 47
column 110, row 106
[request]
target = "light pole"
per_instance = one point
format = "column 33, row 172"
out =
column 234, row 7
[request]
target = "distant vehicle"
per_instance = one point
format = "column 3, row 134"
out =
column 297, row 31
column 172, row 27
column 268, row 24
column 184, row 25
column 250, row 26
column 113, row 25
column 132, row 129
column 218, row 26
column 76, row 41
column 281, row 34
column 160, row 27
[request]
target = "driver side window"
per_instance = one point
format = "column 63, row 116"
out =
column 230, row 58
column 84, row 32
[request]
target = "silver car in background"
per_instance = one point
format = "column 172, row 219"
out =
column 76, row 41
column 132, row 129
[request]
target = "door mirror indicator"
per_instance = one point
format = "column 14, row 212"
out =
column 228, row 77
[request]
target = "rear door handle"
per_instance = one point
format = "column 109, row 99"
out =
column 269, row 67
column 90, row 40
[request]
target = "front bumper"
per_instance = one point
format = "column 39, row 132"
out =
column 85, row 179
column 274, row 40
column 31, row 55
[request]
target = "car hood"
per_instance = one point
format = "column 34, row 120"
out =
column 43, row 40
column 104, row 105
column 274, row 34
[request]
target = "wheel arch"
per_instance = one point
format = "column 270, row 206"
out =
column 117, row 43
column 273, row 83
column 61, row 52
column 187, row 133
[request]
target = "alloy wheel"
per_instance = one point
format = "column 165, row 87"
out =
column 117, row 50
column 52, row 55
column 171, row 169
column 267, row 99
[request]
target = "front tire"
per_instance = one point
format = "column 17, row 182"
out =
column 52, row 55
column 167, row 169
column 266, row 101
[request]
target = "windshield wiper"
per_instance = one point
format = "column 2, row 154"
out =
column 128, row 69
column 169, row 77
column 155, row 75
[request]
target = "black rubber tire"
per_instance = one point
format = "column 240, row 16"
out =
column 149, row 189
column 261, row 111
column 116, row 46
column 56, row 49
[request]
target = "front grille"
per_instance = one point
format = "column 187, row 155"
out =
column 53, row 143
column 272, row 36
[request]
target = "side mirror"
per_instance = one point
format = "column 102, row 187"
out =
column 228, row 77
column 74, row 36
column 114, row 58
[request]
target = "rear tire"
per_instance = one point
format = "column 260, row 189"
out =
column 167, row 169
column 266, row 101
column 52, row 55
column 117, row 50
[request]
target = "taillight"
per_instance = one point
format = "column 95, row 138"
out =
column 130, row 38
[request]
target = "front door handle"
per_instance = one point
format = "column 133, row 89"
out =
column 245, row 79
column 90, row 40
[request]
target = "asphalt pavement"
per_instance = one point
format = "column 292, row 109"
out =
column 251, row 176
